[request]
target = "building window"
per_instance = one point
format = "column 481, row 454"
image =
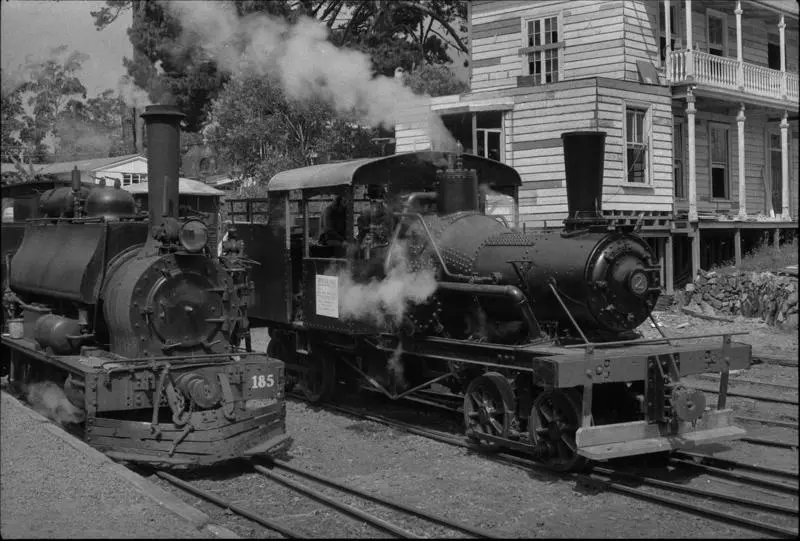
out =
column 488, row 129
column 674, row 28
column 133, row 178
column 717, row 25
column 677, row 160
column 637, row 137
column 543, row 48
column 718, row 140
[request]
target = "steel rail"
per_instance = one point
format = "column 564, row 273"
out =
column 759, row 397
column 213, row 498
column 330, row 502
column 724, row 462
column 769, row 443
column 478, row 532
column 745, row 381
column 700, row 492
column 774, row 422
column 596, row 477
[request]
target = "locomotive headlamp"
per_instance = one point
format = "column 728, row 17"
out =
column 638, row 283
column 194, row 235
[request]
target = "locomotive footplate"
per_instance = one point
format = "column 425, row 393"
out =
column 182, row 411
column 675, row 416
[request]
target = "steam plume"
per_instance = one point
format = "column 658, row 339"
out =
column 385, row 301
column 132, row 95
column 49, row 399
column 395, row 366
column 304, row 61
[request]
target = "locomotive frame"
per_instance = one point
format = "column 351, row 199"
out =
column 564, row 400
column 139, row 324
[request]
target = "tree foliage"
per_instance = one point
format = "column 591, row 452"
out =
column 254, row 127
column 58, row 114
column 91, row 128
column 435, row 81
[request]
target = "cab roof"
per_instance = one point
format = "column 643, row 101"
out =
column 405, row 168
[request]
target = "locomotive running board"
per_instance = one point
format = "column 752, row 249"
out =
column 641, row 437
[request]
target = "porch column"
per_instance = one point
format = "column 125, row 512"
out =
column 690, row 111
column 742, row 188
column 781, row 31
column 785, row 163
column 740, row 67
column 668, row 32
column 689, row 44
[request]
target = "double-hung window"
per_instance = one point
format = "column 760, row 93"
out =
column 133, row 178
column 542, row 49
column 637, row 145
column 718, row 136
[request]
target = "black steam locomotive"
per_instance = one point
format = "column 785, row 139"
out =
column 534, row 329
column 140, row 323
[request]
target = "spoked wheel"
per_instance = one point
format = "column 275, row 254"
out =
column 488, row 407
column 555, row 417
column 317, row 375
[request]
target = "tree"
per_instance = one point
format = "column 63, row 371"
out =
column 435, row 81
column 52, row 84
column 12, row 112
column 90, row 129
column 258, row 130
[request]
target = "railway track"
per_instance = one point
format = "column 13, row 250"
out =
column 288, row 478
column 768, row 514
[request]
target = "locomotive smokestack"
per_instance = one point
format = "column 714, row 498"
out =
column 584, row 153
column 163, row 153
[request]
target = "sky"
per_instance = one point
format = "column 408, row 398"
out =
column 30, row 28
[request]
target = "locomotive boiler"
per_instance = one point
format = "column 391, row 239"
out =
column 588, row 280
column 140, row 323
column 534, row 330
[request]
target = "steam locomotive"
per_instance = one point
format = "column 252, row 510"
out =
column 533, row 330
column 140, row 323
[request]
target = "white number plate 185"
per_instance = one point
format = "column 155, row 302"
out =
column 260, row 381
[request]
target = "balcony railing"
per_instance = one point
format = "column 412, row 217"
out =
column 728, row 73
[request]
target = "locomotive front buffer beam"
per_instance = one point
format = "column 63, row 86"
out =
column 675, row 416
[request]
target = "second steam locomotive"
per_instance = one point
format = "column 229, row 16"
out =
column 135, row 324
column 534, row 330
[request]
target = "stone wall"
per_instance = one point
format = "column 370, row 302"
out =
column 764, row 295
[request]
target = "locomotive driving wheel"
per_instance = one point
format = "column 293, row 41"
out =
column 555, row 418
column 488, row 407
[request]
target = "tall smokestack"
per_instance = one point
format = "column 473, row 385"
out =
column 163, row 153
column 584, row 153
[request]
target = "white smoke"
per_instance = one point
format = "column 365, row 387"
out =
column 132, row 95
column 48, row 399
column 385, row 301
column 395, row 366
column 305, row 62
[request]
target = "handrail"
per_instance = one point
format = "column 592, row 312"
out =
column 653, row 340
column 687, row 66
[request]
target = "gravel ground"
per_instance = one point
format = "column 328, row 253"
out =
column 50, row 490
column 449, row 481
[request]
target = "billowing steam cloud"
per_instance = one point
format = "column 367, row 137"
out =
column 303, row 60
column 385, row 301
column 48, row 399
column 132, row 95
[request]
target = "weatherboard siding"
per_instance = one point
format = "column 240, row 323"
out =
column 592, row 33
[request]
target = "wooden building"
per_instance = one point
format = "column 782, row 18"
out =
column 702, row 129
